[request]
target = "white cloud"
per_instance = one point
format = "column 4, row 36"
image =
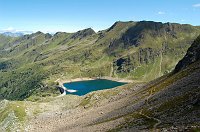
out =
column 161, row 13
column 9, row 29
column 196, row 5
column 13, row 30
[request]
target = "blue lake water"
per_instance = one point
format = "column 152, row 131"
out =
column 84, row 87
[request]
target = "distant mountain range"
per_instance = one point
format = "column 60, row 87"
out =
column 16, row 34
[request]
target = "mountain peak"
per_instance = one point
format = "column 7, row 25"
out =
column 83, row 33
column 119, row 23
column 88, row 31
column 38, row 32
column 192, row 55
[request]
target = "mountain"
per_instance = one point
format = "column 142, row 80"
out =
column 168, row 103
column 17, row 34
column 14, row 33
column 192, row 55
column 140, row 51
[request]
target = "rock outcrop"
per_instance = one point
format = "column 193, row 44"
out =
column 192, row 55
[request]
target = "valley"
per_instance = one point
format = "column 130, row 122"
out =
column 140, row 51
column 160, row 62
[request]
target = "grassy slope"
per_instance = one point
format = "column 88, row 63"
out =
column 34, row 62
column 149, row 107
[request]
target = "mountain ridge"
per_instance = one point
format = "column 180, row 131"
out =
column 160, row 98
column 192, row 55
column 133, row 50
column 169, row 103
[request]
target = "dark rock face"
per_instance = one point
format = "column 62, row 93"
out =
column 5, row 65
column 48, row 36
column 128, row 63
column 123, row 65
column 60, row 89
column 192, row 55
column 147, row 55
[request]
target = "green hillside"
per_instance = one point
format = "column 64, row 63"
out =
column 141, row 51
column 168, row 103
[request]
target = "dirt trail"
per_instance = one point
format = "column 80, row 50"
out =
column 147, row 102
column 161, row 59
column 111, row 71
column 156, row 124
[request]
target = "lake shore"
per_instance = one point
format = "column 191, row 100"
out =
column 62, row 81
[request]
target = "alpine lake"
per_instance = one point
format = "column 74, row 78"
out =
column 84, row 87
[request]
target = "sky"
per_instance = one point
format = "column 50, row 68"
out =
column 74, row 15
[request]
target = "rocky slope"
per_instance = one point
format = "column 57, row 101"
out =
column 192, row 55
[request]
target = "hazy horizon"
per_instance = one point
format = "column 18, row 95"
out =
column 74, row 15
